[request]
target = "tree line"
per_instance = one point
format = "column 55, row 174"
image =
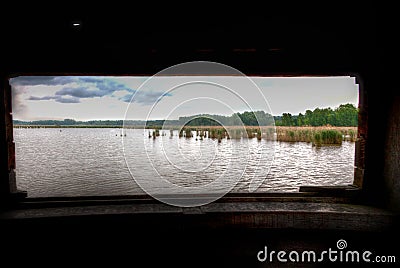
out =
column 256, row 118
column 344, row 115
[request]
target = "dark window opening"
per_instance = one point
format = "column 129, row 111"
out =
column 69, row 142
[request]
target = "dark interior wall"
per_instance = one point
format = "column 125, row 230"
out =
column 392, row 155
column 4, row 183
column 271, row 37
column 279, row 37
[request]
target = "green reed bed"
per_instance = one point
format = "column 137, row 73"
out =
column 330, row 136
column 316, row 135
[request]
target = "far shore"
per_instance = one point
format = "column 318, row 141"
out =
column 314, row 134
column 344, row 128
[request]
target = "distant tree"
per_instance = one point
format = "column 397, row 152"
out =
column 69, row 122
column 300, row 120
column 249, row 118
column 346, row 115
column 264, row 119
column 308, row 118
column 287, row 119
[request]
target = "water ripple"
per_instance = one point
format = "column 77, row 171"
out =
column 89, row 161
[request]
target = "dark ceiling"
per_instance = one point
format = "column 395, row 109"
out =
column 299, row 37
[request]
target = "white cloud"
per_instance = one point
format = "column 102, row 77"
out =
column 106, row 99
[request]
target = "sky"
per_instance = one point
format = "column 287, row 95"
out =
column 140, row 98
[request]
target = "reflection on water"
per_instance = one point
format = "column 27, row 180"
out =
column 89, row 161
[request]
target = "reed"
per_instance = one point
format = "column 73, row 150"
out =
column 315, row 135
column 351, row 135
column 188, row 133
column 329, row 136
column 259, row 135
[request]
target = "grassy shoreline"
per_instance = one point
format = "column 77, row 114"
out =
column 319, row 135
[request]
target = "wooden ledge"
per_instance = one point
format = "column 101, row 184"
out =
column 254, row 215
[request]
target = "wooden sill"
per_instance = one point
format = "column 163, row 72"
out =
column 223, row 214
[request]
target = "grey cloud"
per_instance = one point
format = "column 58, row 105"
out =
column 105, row 85
column 93, row 87
column 42, row 98
column 41, row 80
column 67, row 100
column 80, row 92
column 59, row 99
column 126, row 98
column 144, row 97
column 91, row 79
column 18, row 106
column 89, row 87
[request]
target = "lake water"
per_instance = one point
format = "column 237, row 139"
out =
column 98, row 161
